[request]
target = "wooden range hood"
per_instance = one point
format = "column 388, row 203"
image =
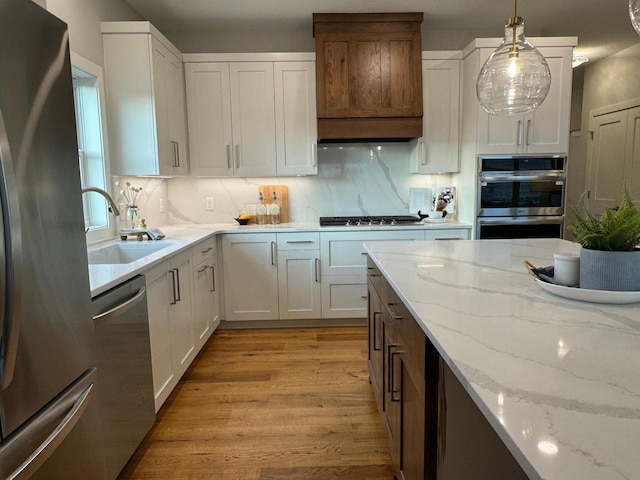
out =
column 368, row 76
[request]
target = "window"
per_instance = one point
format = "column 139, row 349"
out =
column 92, row 151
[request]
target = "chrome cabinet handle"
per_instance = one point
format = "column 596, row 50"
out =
column 392, row 379
column 173, row 287
column 207, row 250
column 213, row 279
column 314, row 154
column 177, row 270
column 299, row 241
column 237, row 147
column 529, row 132
column 273, row 253
column 317, row 265
column 376, row 329
column 123, row 307
column 392, row 311
column 229, row 156
column 520, row 132
column 203, row 269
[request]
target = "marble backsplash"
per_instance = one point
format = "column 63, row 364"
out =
column 353, row 179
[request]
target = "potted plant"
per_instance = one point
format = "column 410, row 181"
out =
column 610, row 257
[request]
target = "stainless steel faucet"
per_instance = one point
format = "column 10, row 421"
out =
column 105, row 194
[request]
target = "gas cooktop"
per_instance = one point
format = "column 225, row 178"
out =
column 369, row 220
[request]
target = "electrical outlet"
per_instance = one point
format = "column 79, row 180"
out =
column 208, row 203
column 162, row 205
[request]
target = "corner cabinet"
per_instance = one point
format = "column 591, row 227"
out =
column 251, row 115
column 546, row 129
column 437, row 150
column 144, row 83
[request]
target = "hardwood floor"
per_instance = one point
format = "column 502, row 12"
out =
column 274, row 404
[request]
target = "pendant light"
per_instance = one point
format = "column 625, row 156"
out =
column 634, row 14
column 515, row 79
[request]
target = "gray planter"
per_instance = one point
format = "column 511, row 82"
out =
column 615, row 271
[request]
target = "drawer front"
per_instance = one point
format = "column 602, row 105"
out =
column 448, row 234
column 203, row 250
column 344, row 296
column 299, row 241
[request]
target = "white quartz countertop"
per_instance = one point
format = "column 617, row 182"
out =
column 180, row 237
column 558, row 379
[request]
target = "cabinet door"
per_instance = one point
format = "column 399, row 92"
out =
column 296, row 119
column 250, row 276
column 209, row 118
column 160, row 72
column 176, row 115
column 160, row 334
column 606, row 158
column 437, row 151
column 253, row 119
column 181, row 313
column 344, row 296
column 375, row 335
column 547, row 127
column 203, row 306
column 299, row 284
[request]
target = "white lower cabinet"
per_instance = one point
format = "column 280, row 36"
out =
column 299, row 276
column 344, row 261
column 250, row 276
column 206, row 302
column 169, row 298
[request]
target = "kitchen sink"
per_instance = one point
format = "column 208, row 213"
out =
column 125, row 252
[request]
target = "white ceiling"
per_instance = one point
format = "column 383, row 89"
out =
column 602, row 26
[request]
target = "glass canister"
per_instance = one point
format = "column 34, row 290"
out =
column 274, row 210
column 261, row 211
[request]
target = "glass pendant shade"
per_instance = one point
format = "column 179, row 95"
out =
column 634, row 14
column 516, row 78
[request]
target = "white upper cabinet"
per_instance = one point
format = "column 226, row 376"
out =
column 546, row 129
column 145, row 101
column 296, row 118
column 437, row 150
column 250, row 115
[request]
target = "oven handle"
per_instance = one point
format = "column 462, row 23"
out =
column 520, row 220
column 527, row 177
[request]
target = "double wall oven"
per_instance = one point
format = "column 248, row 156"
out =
column 521, row 196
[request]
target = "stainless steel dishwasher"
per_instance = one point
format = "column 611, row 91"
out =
column 125, row 380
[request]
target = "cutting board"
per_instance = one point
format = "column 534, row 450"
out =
column 282, row 191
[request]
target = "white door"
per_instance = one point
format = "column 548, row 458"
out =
column 250, row 276
column 296, row 119
column 160, row 61
column 209, row 118
column 177, row 115
column 253, row 119
column 299, row 284
column 607, row 160
column 160, row 335
column 181, row 313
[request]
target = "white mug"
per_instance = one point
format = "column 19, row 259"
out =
column 566, row 269
column 435, row 214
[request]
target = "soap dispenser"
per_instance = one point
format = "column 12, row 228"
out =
column 274, row 209
column 261, row 211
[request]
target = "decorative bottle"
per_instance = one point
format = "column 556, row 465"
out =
column 261, row 211
column 274, row 209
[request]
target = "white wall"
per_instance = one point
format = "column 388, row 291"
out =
column 84, row 17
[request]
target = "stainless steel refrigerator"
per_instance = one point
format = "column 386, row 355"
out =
column 49, row 418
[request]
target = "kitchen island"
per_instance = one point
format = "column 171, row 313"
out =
column 558, row 380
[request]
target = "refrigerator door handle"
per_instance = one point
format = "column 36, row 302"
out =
column 23, row 439
column 10, row 261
